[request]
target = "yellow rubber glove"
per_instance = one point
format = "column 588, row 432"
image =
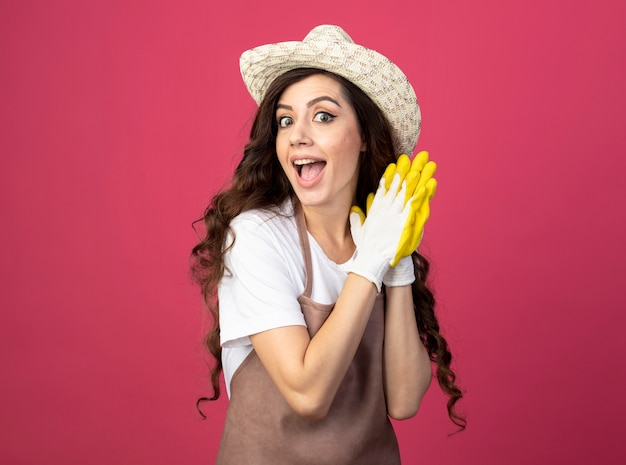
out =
column 421, row 186
column 420, row 189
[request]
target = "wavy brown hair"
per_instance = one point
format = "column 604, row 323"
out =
column 260, row 183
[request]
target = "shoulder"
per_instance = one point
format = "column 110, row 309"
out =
column 274, row 226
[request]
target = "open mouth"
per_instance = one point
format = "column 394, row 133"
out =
column 308, row 169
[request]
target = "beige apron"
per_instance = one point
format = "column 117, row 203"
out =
column 261, row 428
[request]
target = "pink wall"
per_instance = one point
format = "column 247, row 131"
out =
column 119, row 119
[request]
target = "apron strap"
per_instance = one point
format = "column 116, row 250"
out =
column 303, row 235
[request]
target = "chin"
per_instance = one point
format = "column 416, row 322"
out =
column 308, row 201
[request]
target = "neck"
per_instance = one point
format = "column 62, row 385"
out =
column 331, row 229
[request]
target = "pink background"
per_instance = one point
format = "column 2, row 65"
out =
column 120, row 119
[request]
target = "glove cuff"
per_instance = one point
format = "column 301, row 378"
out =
column 402, row 274
column 368, row 269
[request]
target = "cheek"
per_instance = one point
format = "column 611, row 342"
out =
column 281, row 148
column 281, row 154
column 352, row 147
column 279, row 141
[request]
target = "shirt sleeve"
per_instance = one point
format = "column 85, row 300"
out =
column 257, row 292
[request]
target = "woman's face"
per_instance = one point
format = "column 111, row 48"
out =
column 319, row 141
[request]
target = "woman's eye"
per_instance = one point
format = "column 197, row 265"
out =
column 285, row 121
column 323, row 117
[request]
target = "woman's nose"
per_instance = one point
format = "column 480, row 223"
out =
column 299, row 134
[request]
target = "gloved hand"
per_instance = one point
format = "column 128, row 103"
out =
column 420, row 187
column 378, row 235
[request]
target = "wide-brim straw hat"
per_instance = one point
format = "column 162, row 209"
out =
column 329, row 48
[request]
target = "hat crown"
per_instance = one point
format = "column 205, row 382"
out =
column 328, row 33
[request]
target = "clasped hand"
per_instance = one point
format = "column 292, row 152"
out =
column 393, row 224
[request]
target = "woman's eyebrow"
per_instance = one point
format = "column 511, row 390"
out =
column 310, row 103
column 322, row 98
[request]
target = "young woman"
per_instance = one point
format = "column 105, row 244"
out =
column 320, row 338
